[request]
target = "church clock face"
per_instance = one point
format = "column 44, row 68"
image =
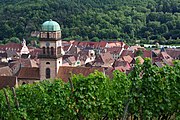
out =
column 47, row 44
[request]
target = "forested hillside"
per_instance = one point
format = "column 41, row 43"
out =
column 93, row 19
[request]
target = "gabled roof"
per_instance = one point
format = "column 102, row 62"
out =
column 5, row 71
column 109, row 71
column 11, row 53
column 13, row 46
column 27, row 62
column 29, row 73
column 104, row 60
column 69, row 60
column 157, row 52
column 159, row 64
column 72, row 50
column 122, row 64
column 126, row 47
column 127, row 58
column 15, row 67
column 164, row 55
column 147, row 53
column 102, row 44
column 174, row 53
column 168, row 61
column 8, row 81
column 141, row 60
column 114, row 50
column 65, row 72
column 3, row 55
column 3, row 64
column 127, row 52
column 35, row 52
column 107, row 58
column 136, row 47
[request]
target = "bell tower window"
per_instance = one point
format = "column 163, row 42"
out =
column 43, row 34
column 48, row 50
column 44, row 50
column 51, row 35
column 48, row 73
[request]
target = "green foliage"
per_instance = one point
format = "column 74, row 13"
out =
column 89, row 19
column 148, row 92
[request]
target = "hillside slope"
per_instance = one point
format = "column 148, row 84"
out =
column 93, row 19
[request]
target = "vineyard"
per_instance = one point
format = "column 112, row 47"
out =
column 147, row 93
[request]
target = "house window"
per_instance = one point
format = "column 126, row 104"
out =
column 52, row 51
column 48, row 73
column 44, row 50
column 48, row 50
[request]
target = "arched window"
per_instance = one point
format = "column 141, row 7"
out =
column 44, row 50
column 48, row 50
column 48, row 73
column 48, row 63
column 23, row 83
column 52, row 51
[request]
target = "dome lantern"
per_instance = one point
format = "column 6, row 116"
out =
column 50, row 26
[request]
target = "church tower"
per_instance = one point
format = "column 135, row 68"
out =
column 51, row 44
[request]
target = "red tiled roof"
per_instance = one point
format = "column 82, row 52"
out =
column 29, row 73
column 114, row 50
column 159, row 64
column 76, row 43
column 126, row 47
column 102, row 44
column 7, row 81
column 109, row 71
column 123, row 64
column 168, row 61
column 65, row 72
column 174, row 53
column 136, row 47
column 3, row 64
column 35, row 52
column 5, row 71
column 13, row 46
column 165, row 55
column 127, row 52
column 104, row 59
column 27, row 62
column 127, row 58
column 157, row 52
column 147, row 53
column 107, row 58
column 141, row 60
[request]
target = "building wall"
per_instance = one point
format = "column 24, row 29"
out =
column 54, row 67
column 54, row 44
column 26, row 81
